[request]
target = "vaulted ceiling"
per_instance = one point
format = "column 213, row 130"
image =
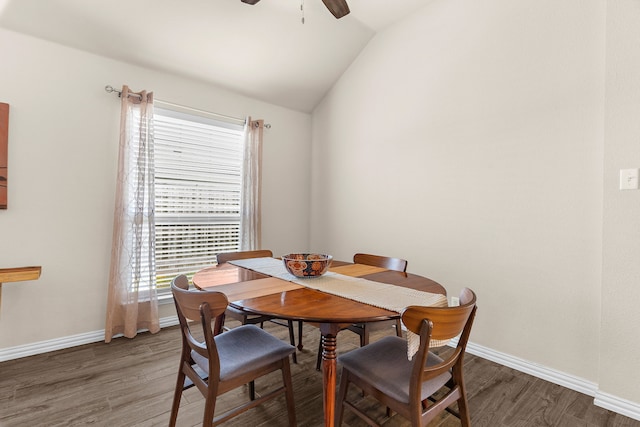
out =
column 263, row 51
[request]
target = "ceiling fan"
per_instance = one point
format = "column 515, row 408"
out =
column 338, row 8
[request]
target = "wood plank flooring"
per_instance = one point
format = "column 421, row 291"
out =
column 131, row 383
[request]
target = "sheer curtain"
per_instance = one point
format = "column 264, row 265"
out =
column 132, row 300
column 251, row 211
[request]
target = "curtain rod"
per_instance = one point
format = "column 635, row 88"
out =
column 111, row 89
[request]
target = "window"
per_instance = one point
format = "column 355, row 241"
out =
column 198, row 181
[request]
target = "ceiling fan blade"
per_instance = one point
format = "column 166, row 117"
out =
column 338, row 8
column 250, row 1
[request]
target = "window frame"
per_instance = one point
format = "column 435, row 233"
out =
column 235, row 129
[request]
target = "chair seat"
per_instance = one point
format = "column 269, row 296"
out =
column 244, row 349
column 385, row 364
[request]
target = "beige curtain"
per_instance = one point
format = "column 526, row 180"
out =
column 132, row 300
column 251, row 211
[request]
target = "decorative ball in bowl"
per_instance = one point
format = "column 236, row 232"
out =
column 307, row 265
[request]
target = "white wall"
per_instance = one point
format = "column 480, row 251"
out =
column 468, row 139
column 619, row 338
column 63, row 135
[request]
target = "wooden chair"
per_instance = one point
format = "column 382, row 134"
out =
column 395, row 264
column 364, row 329
column 254, row 319
column 232, row 256
column 182, row 282
column 408, row 387
column 218, row 363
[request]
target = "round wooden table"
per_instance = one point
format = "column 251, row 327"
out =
column 260, row 294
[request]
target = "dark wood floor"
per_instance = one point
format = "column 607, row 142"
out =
column 131, row 382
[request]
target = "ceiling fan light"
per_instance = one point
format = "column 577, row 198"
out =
column 338, row 8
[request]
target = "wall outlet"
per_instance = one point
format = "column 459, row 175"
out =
column 629, row 179
column 455, row 301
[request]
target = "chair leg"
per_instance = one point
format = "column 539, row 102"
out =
column 399, row 328
column 209, row 408
column 342, row 394
column 319, row 356
column 288, row 384
column 177, row 395
column 463, row 408
column 364, row 337
column 252, row 390
column 300, row 335
column 292, row 339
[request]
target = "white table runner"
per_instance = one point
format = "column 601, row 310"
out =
column 382, row 295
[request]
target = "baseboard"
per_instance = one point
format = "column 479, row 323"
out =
column 604, row 400
column 617, row 405
column 65, row 342
column 557, row 377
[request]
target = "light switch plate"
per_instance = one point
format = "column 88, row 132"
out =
column 628, row 179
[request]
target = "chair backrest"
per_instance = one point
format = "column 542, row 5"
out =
column 396, row 264
column 181, row 282
column 201, row 307
column 445, row 322
column 230, row 256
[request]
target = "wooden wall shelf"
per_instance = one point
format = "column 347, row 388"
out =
column 18, row 274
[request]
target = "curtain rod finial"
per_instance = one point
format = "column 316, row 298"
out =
column 110, row 89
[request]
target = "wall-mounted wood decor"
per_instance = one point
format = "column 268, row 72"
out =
column 4, row 141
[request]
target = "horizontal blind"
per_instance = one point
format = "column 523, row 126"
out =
column 198, row 178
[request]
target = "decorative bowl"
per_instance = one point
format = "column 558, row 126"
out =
column 307, row 265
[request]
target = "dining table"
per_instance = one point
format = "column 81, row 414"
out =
column 266, row 293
